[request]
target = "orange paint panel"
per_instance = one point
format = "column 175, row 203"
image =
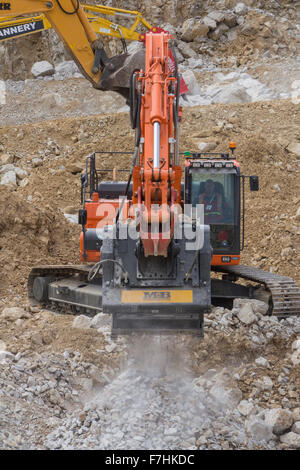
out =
column 217, row 260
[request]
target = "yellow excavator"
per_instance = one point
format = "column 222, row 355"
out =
column 16, row 27
column 78, row 26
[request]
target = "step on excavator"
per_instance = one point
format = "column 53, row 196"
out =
column 156, row 251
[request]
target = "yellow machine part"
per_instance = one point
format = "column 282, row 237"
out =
column 13, row 27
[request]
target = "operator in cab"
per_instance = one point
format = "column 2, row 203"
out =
column 212, row 201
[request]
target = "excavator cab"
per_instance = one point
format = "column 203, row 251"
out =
column 213, row 182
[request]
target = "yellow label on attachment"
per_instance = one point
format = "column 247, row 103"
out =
column 157, row 296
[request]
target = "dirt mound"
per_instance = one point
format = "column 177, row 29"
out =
column 30, row 233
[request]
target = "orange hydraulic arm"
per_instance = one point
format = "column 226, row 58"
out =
column 156, row 180
column 70, row 22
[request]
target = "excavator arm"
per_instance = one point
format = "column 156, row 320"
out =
column 71, row 24
column 17, row 27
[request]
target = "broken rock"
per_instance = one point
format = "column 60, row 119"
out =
column 246, row 315
column 280, row 419
column 82, row 321
column 42, row 69
column 291, row 439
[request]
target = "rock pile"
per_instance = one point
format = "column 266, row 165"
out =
column 166, row 394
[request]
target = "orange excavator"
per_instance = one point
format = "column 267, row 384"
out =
column 163, row 250
column 154, row 239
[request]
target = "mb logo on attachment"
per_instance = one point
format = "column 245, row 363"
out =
column 157, row 295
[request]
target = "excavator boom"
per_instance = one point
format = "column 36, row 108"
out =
column 70, row 22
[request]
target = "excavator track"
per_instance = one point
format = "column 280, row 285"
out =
column 285, row 293
column 58, row 272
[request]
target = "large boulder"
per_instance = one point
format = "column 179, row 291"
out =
column 42, row 69
column 246, row 314
column 187, row 30
column 291, row 439
column 199, row 30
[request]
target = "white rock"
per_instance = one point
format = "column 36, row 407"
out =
column 9, row 178
column 191, row 82
column 246, row 315
column 13, row 313
column 20, row 172
column 232, row 35
column 245, row 407
column 295, row 358
column 101, row 319
column 82, row 321
column 260, row 430
column 265, row 383
column 227, row 398
column 206, row 146
column 42, row 69
column 280, row 419
column 86, row 384
column 66, row 69
column 296, row 344
column 170, row 431
column 296, row 414
column 259, row 307
column 217, row 16
column 110, row 347
column 240, row 9
column 232, row 93
column 291, row 439
column 294, row 147
column 195, row 63
column 209, row 22
column 261, row 361
column 7, row 167
column 24, row 182
column 36, row 162
column 6, row 355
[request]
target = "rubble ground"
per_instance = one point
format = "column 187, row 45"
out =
column 92, row 392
